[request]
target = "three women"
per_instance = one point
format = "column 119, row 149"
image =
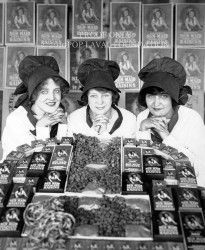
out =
column 163, row 94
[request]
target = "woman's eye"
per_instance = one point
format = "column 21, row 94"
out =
column 164, row 96
column 57, row 91
column 44, row 92
column 149, row 96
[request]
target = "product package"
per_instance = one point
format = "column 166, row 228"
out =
column 61, row 157
column 53, row 182
column 193, row 229
column 162, row 196
column 11, row 222
column 39, row 163
column 166, row 226
column 152, row 165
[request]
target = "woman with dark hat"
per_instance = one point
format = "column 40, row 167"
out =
column 39, row 113
column 166, row 119
column 100, row 115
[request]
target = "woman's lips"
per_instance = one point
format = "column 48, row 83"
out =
column 51, row 104
column 100, row 108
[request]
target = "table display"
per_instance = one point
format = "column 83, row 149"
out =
column 86, row 193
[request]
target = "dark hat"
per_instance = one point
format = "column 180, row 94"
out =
column 165, row 73
column 33, row 70
column 98, row 73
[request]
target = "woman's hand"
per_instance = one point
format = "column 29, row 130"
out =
column 159, row 124
column 53, row 118
column 100, row 123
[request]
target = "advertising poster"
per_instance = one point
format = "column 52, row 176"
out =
column 80, row 51
column 125, row 21
column 2, row 66
column 59, row 54
column 87, row 19
column 1, row 23
column 1, row 109
column 148, row 54
column 20, row 23
column 128, row 60
column 8, row 104
column 190, row 24
column 51, row 24
column 70, row 101
column 196, row 102
column 14, row 55
column 157, row 25
column 131, row 103
column 193, row 61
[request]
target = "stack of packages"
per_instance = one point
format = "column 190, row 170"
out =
column 41, row 167
column 168, row 177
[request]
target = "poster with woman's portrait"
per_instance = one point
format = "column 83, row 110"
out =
column 128, row 60
column 148, row 54
column 87, row 20
column 157, row 25
column 1, row 23
column 125, row 18
column 190, row 22
column 1, row 110
column 52, row 24
column 131, row 103
column 2, row 66
column 80, row 51
column 20, row 23
column 14, row 55
column 193, row 61
column 59, row 54
column 8, row 104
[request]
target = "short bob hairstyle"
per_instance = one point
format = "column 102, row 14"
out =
column 153, row 91
column 63, row 87
column 115, row 96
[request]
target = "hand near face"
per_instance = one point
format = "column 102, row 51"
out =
column 59, row 116
column 100, row 123
column 159, row 124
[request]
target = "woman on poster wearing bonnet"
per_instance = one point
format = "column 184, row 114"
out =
column 39, row 113
column 100, row 116
column 166, row 119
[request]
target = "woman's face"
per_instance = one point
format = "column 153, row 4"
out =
column 126, row 13
column 159, row 104
column 124, row 57
column 49, row 97
column 99, row 101
column 158, row 14
column 191, row 58
column 191, row 13
column 52, row 14
column 20, row 12
column 88, row 6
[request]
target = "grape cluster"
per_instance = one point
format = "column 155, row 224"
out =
column 112, row 216
column 87, row 150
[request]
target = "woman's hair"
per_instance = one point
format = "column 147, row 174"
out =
column 115, row 96
column 153, row 91
column 64, row 89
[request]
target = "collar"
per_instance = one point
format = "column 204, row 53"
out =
column 117, row 123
